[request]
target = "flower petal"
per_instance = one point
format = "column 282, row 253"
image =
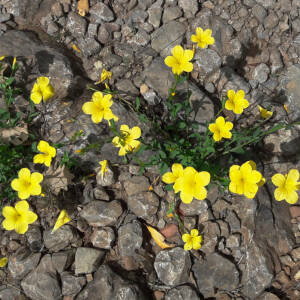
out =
column 230, row 94
column 39, row 159
column 278, row 180
column 36, row 97
column 177, row 170
column 186, row 237
column 135, row 132
column 188, row 54
column 22, row 207
column 178, row 52
column 31, row 217
column 88, row 108
column 293, row 175
column 291, row 197
column 23, row 194
column 9, row 224
column 200, row 193
column 15, row 184
column 170, row 61
column 97, row 117
column 36, row 178
column 188, row 246
column 9, row 212
column 21, row 226
column 194, row 232
column 202, row 178
column 168, row 178
column 43, row 146
column 279, row 194
column 43, row 81
column 24, row 174
column 186, row 198
column 35, row 189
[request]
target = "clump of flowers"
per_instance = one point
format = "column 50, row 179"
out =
column 46, row 155
column 287, row 185
column 221, row 129
column 42, row 90
column 180, row 61
column 244, row 180
column 192, row 185
column 236, row 101
column 265, row 114
column 127, row 141
column 27, row 184
column 19, row 217
column 202, row 37
column 192, row 240
column 99, row 108
column 62, row 219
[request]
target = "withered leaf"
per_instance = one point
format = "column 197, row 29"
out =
column 159, row 238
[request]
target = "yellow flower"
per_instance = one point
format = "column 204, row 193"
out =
column 104, row 75
column 17, row 218
column 128, row 139
column 99, row 108
column 287, row 185
column 62, row 219
column 253, row 166
column 27, row 184
column 3, row 262
column 265, row 114
column 48, row 153
column 2, row 57
column 236, row 101
column 171, row 177
column 192, row 185
column 192, row 240
column 42, row 90
column 202, row 38
column 14, row 62
column 103, row 164
column 221, row 129
column 180, row 61
column 244, row 180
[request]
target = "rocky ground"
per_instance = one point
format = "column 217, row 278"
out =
column 251, row 248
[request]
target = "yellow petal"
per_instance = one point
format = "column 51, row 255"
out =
column 24, row 174
column 36, row 178
column 23, row 194
column 220, row 122
column 186, row 198
column 279, row 194
column 212, row 128
column 202, row 178
column 188, row 67
column 97, row 117
column 178, row 52
column 9, row 212
column 36, row 97
column 240, row 95
column 278, row 180
column 159, row 238
column 43, row 146
column 168, row 178
column 48, row 92
column 170, row 61
column 8, row 224
column 188, row 54
column 231, row 94
column 35, row 189
column 21, row 226
column 186, row 237
column 178, row 186
column 291, row 197
column 3, row 260
column 199, row 31
column 229, row 105
column 43, row 81
column 15, row 184
column 177, row 170
column 39, row 159
column 200, row 193
column 293, row 175
column 62, row 219
column 188, row 246
column 135, row 132
column 31, row 217
column 194, row 232
column 88, row 108
column 22, row 206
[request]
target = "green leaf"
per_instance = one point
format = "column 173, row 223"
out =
column 238, row 150
column 137, row 103
column 256, row 132
column 162, row 154
column 143, row 118
column 9, row 81
column 182, row 125
column 169, row 187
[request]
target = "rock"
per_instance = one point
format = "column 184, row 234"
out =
column 34, row 238
column 155, row 16
column 22, row 262
column 233, row 220
column 172, row 266
column 259, row 13
column 296, row 254
column 184, row 292
column 130, row 238
column 219, row 273
column 103, row 237
column 4, row 17
column 100, row 194
column 136, row 185
column 294, row 211
column 62, row 260
column 144, row 204
column 71, row 285
column 296, row 25
column 196, row 207
column 276, row 61
column 42, row 283
column 233, row 241
column 261, row 73
column 258, row 273
column 101, row 12
column 110, row 286
column 107, row 179
column 76, row 24
column 88, row 46
column 271, row 21
column 141, row 38
column 11, row 293
column 190, row 7
column 171, row 13
column 266, row 3
column 127, row 87
column 138, row 15
column 208, row 61
column 166, row 37
column 87, row 260
column 100, row 213
column 48, row 61
column 268, row 296
column 60, row 239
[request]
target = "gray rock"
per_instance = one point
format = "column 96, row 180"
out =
column 62, row 260
column 195, row 208
column 76, row 24
column 190, row 7
column 101, row 12
column 144, row 204
column 11, row 293
column 266, row 3
column 155, row 16
column 258, row 273
column 48, row 61
column 4, row 17
column 71, row 285
column 87, row 260
column 233, row 220
column 130, row 238
column 60, row 239
column 276, row 61
column 92, row 30
column 296, row 25
column 100, row 194
column 88, row 46
column 111, row 287
column 271, row 21
column 136, row 185
column 52, row 28
column 219, row 273
column 167, row 36
column 42, row 283
column 171, row 13
column 234, row 81
column 34, row 238
column 259, row 13
column 111, row 60
column 207, row 60
column 100, row 213
column 126, row 86
column 104, row 35
column 268, row 296
column 141, row 38
column 183, row 292
column 233, row 241
column 173, row 266
column 103, row 237
column 22, row 262
column 138, row 15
